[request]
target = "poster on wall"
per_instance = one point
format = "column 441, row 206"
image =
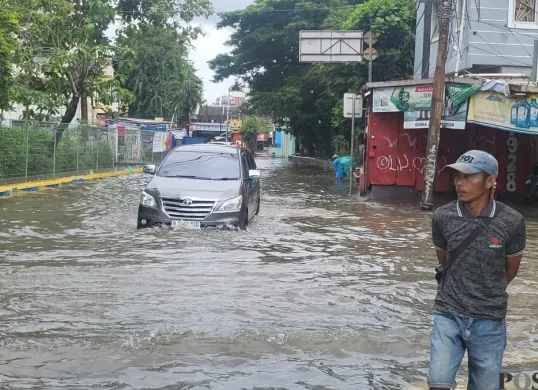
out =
column 454, row 116
column 159, row 142
column 419, row 97
column 416, row 98
column 492, row 109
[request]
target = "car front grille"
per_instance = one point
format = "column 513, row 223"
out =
column 192, row 210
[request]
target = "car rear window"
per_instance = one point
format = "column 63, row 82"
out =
column 201, row 165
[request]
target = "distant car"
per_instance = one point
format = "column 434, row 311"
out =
column 149, row 168
column 221, row 143
column 202, row 185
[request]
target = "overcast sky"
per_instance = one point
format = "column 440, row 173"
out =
column 208, row 46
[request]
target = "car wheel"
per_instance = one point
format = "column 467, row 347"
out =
column 243, row 223
column 258, row 207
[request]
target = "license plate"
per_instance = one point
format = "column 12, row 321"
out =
column 186, row 224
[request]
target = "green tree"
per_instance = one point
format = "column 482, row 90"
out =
column 307, row 97
column 61, row 57
column 152, row 56
column 9, row 26
column 251, row 127
column 153, row 62
column 394, row 23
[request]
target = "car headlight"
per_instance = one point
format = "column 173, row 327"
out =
column 147, row 200
column 233, row 204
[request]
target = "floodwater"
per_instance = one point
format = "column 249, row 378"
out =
column 322, row 292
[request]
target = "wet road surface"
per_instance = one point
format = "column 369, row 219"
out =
column 322, row 292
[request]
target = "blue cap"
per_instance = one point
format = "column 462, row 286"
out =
column 476, row 161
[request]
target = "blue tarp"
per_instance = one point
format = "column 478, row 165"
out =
column 342, row 166
column 153, row 127
column 194, row 140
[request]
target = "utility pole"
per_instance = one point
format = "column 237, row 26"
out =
column 352, row 139
column 426, row 37
column 438, row 92
column 188, row 105
column 228, row 115
column 371, row 56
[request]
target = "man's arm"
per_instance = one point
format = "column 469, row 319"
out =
column 439, row 241
column 514, row 251
column 512, row 267
column 441, row 256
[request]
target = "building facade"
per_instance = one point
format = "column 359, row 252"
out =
column 489, row 104
column 486, row 37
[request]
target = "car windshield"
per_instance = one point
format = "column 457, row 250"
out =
column 201, row 165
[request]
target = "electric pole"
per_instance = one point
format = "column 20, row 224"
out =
column 444, row 8
column 188, row 105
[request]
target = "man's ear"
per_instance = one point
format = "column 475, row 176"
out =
column 491, row 182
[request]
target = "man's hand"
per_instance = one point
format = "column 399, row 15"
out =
column 441, row 256
column 512, row 267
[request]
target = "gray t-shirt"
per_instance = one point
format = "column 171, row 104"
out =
column 475, row 284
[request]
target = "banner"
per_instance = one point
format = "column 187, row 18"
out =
column 459, row 93
column 492, row 109
column 159, row 142
column 454, row 116
column 418, row 98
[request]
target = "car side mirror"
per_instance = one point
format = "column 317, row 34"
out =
column 149, row 169
column 254, row 174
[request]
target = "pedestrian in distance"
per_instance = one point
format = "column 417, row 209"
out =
column 338, row 167
column 479, row 244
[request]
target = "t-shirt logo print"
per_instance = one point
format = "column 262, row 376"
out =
column 496, row 243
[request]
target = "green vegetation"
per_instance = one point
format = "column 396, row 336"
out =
column 251, row 127
column 88, row 152
column 308, row 97
column 61, row 52
column 55, row 55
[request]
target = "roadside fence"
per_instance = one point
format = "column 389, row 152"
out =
column 32, row 151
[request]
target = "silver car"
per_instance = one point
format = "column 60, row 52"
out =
column 201, row 185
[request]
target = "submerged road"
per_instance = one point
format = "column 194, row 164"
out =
column 322, row 292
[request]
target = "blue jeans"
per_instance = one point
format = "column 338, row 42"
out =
column 484, row 340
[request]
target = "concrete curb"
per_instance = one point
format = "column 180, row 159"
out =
column 9, row 190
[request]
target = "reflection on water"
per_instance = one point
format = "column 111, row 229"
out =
column 321, row 292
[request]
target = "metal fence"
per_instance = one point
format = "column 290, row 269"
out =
column 41, row 150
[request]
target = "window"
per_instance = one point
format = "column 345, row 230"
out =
column 201, row 165
column 251, row 161
column 245, row 165
column 525, row 11
column 522, row 14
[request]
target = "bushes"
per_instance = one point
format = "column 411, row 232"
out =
column 93, row 153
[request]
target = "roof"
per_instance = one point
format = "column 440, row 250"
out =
column 522, row 85
column 144, row 121
column 410, row 83
column 206, row 148
column 516, row 83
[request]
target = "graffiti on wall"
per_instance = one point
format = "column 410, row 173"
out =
column 387, row 163
column 401, row 161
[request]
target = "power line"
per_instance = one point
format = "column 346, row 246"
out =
column 266, row 10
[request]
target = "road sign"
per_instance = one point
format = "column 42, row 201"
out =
column 348, row 105
column 366, row 38
column 370, row 54
column 330, row 46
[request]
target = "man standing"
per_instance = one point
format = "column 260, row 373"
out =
column 479, row 244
